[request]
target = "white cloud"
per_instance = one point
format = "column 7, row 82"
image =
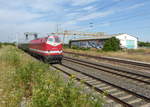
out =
column 119, row 0
column 15, row 16
column 82, row 2
column 89, row 8
column 73, row 14
column 106, row 24
column 136, row 6
column 43, row 15
column 129, row 8
column 45, row 5
column 11, row 30
column 39, row 5
column 68, row 23
column 116, row 0
column 21, row 16
column 95, row 15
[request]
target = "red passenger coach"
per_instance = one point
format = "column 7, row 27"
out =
column 48, row 48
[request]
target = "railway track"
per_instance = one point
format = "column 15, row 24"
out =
column 113, row 70
column 118, row 60
column 121, row 95
column 115, row 93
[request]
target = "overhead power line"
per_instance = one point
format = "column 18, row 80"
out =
column 123, row 18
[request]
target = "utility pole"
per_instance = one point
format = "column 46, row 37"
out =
column 57, row 28
column 65, row 33
column 17, row 38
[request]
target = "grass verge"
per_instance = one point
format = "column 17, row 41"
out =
column 26, row 81
column 138, row 54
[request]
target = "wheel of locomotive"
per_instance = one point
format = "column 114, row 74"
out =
column 60, row 61
column 45, row 60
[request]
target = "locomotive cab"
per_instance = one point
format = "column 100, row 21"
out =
column 54, row 48
column 53, row 40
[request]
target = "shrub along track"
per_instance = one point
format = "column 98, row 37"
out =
column 129, row 63
column 123, row 94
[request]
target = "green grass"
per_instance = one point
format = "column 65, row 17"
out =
column 23, row 77
column 133, row 54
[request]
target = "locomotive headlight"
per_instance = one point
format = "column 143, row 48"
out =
column 51, row 52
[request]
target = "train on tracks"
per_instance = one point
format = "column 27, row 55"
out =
column 49, row 48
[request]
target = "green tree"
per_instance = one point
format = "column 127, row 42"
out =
column 112, row 44
column 143, row 44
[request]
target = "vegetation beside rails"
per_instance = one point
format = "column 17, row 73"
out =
column 26, row 81
column 133, row 54
column 76, row 47
column 112, row 44
column 144, row 44
column 80, row 48
column 6, row 43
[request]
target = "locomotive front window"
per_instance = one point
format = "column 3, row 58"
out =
column 57, row 40
column 50, row 39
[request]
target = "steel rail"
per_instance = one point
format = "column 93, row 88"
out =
column 123, row 75
column 137, row 63
column 98, row 90
column 120, row 69
column 121, row 88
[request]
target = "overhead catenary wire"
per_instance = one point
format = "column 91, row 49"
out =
column 122, row 19
column 118, row 19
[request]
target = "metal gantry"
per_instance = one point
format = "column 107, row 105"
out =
column 79, row 33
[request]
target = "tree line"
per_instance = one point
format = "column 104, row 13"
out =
column 143, row 44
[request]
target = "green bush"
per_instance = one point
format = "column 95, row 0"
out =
column 112, row 44
column 84, row 49
column 80, row 48
column 56, row 93
column 143, row 44
column 12, row 57
column 75, row 47
column 7, row 43
column 65, row 46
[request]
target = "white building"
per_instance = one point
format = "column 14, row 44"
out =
column 126, row 41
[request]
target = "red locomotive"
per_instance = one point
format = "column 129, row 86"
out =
column 47, row 48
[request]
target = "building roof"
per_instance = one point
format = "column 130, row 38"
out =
column 119, row 34
column 103, row 37
column 93, row 38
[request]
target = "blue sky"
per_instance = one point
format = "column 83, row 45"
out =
column 42, row 16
